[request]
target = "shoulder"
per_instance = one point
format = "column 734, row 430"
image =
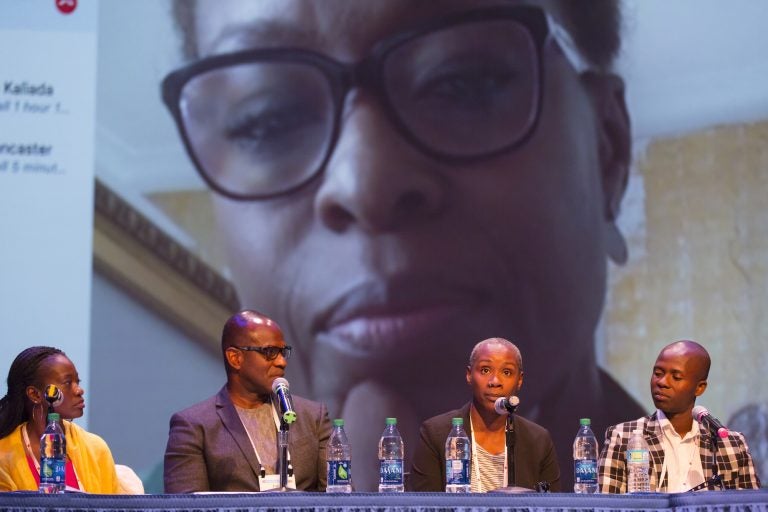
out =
column 84, row 438
column 9, row 443
column 442, row 422
column 533, row 429
column 305, row 404
column 735, row 440
column 623, row 430
column 197, row 412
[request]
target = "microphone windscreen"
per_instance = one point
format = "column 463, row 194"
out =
column 699, row 411
column 280, row 383
column 505, row 405
column 53, row 395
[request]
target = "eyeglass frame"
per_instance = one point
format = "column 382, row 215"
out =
column 367, row 73
column 284, row 351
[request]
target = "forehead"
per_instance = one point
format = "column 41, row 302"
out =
column 345, row 29
column 677, row 360
column 495, row 353
column 261, row 335
column 57, row 365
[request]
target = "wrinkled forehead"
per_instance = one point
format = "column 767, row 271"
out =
column 345, row 29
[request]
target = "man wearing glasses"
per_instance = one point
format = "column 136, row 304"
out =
column 396, row 179
column 229, row 442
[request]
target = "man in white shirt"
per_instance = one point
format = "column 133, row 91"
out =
column 681, row 452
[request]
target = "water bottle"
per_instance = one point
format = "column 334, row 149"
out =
column 53, row 457
column 339, row 457
column 391, row 458
column 585, row 459
column 638, row 463
column 457, row 457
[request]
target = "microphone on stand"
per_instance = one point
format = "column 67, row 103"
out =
column 711, row 423
column 281, row 389
column 506, row 405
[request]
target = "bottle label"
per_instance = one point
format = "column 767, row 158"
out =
column 339, row 472
column 457, row 472
column 391, row 472
column 585, row 471
column 637, row 456
column 52, row 470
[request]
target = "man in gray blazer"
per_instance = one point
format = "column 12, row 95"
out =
column 229, row 441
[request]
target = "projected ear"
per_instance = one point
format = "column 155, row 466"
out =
column 614, row 152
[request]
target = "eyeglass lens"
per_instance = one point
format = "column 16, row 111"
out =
column 265, row 127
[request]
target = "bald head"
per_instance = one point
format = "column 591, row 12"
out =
column 242, row 325
column 501, row 342
column 697, row 356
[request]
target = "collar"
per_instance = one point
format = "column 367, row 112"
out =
column 669, row 431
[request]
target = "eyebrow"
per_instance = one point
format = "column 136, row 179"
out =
column 261, row 34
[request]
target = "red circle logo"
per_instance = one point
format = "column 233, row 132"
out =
column 66, row 6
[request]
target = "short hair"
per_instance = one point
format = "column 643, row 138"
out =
column 24, row 372
column 594, row 25
column 500, row 342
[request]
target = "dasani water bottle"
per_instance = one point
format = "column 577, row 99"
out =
column 585, row 459
column 457, row 458
column 391, row 458
column 339, row 460
column 53, row 457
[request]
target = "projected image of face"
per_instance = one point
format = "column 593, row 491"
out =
column 460, row 184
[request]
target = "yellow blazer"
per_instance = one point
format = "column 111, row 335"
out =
column 88, row 452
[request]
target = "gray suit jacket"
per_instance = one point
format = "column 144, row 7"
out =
column 209, row 450
column 535, row 457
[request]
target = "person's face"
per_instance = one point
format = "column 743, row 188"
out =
column 495, row 373
column 676, row 381
column 392, row 257
column 59, row 371
column 255, row 371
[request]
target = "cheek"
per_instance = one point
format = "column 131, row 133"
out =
column 259, row 240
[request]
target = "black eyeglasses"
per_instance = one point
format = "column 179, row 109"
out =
column 270, row 353
column 262, row 123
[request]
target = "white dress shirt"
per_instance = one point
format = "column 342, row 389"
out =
column 682, row 459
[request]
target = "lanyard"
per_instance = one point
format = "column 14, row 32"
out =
column 476, row 466
column 266, row 482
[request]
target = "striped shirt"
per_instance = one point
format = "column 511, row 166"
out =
column 491, row 470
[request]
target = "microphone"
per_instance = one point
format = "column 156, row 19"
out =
column 703, row 416
column 53, row 396
column 506, row 405
column 281, row 390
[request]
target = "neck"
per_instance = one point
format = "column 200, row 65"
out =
column 247, row 400
column 680, row 421
column 35, row 428
column 484, row 420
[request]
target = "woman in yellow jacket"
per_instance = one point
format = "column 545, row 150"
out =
column 23, row 412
